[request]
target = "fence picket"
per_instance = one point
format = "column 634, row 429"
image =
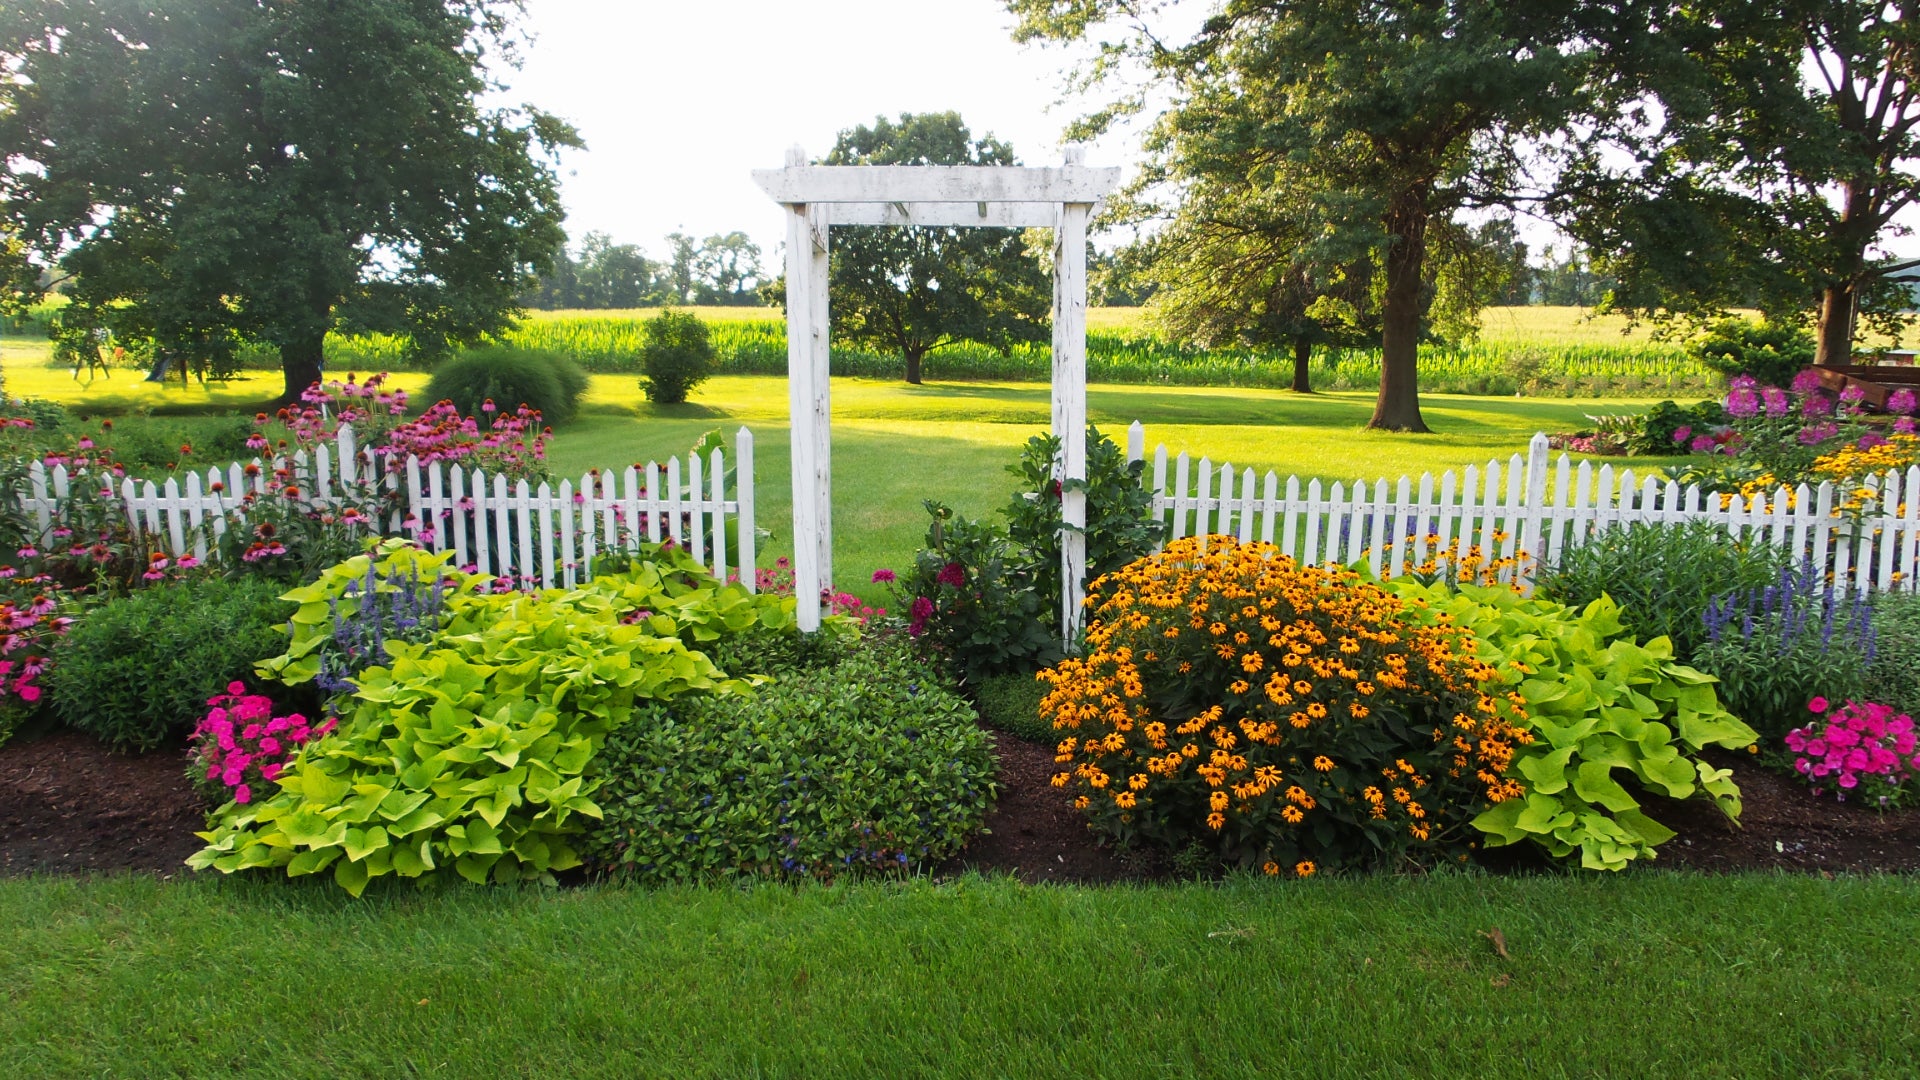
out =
column 1202, row 519
column 743, row 483
column 457, row 493
column 1309, row 552
column 1180, row 500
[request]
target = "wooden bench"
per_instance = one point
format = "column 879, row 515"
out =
column 1876, row 381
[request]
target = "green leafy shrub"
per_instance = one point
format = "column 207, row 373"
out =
column 1778, row 645
column 1601, row 709
column 1665, row 428
column 1279, row 715
column 1770, row 351
column 1120, row 523
column 1893, row 675
column 1663, row 575
column 46, row 415
column 971, row 598
column 762, row 650
column 676, row 357
column 137, row 671
column 872, row 765
column 509, row 377
column 1011, row 703
column 471, row 751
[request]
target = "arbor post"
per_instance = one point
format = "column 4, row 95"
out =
column 809, row 403
column 1070, row 400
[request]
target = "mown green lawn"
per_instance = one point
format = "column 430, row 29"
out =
column 1634, row 976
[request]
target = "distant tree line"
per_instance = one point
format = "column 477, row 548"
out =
column 722, row 269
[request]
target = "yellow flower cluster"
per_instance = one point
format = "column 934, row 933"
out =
column 1245, row 697
column 1469, row 566
column 1851, row 463
column 1846, row 467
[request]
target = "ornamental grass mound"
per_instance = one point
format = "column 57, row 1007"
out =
column 1281, row 716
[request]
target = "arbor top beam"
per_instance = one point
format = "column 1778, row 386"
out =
column 807, row 184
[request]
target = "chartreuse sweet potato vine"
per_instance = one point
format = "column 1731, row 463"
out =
column 470, row 751
column 1602, row 708
column 1278, row 715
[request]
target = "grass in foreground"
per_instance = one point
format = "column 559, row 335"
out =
column 1646, row 974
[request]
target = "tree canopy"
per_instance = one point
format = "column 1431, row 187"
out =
column 917, row 289
column 1385, row 118
column 208, row 173
column 1775, row 145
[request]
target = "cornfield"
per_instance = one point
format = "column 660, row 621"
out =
column 759, row 347
column 610, row 343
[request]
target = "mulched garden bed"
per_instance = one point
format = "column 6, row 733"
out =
column 68, row 805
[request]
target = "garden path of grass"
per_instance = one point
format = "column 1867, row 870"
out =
column 1635, row 975
column 895, row 445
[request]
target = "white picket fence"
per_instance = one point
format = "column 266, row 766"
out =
column 1514, row 512
column 534, row 536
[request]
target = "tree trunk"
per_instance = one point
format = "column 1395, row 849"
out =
column 1834, row 340
column 1840, row 300
column 302, row 363
column 1302, row 356
column 913, row 365
column 1398, row 407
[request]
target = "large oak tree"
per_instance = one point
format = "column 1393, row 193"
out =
column 213, row 172
column 1767, row 164
column 1390, row 117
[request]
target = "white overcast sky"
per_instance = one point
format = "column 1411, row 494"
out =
column 678, row 101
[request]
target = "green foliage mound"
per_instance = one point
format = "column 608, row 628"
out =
column 677, row 356
column 137, row 671
column 1770, row 351
column 1602, row 709
column 1663, row 575
column 510, row 377
column 1656, row 431
column 870, row 765
column 471, row 752
column 1011, row 703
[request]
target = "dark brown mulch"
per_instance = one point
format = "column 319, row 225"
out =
column 1783, row 825
column 1033, row 831
column 68, row 805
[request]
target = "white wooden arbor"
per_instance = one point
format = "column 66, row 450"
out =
column 818, row 197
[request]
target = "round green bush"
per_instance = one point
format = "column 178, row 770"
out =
column 137, row 671
column 873, row 765
column 677, row 356
column 510, row 378
column 1772, row 352
column 1011, row 703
